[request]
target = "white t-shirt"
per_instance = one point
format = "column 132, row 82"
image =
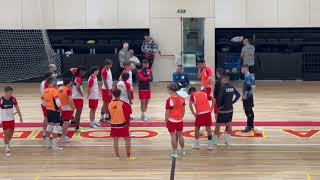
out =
column 106, row 75
column 75, row 93
column 121, row 85
column 135, row 61
column 130, row 76
column 7, row 108
column 93, row 84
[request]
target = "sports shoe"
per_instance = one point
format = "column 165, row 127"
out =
column 131, row 135
column 215, row 140
column 210, row 145
column 228, row 139
column 79, row 130
column 131, row 158
column 196, row 146
column 65, row 140
column 57, row 148
column 97, row 123
column 145, row 118
column 94, row 126
column 174, row 155
column 7, row 151
column 183, row 153
column 247, row 129
column 104, row 120
column 117, row 158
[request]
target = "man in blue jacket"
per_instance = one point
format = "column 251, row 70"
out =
column 180, row 78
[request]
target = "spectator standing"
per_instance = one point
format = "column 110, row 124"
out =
column 149, row 48
column 123, row 55
column 135, row 64
column 247, row 55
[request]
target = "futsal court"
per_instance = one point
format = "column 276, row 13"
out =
column 288, row 148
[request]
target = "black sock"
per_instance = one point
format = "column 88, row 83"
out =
column 209, row 138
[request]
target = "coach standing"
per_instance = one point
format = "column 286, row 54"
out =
column 149, row 48
column 247, row 55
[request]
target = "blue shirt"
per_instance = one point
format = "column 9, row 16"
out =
column 181, row 79
column 248, row 84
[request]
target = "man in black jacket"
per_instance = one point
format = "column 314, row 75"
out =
column 225, row 104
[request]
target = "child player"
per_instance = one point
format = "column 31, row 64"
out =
column 225, row 103
column 175, row 109
column 125, row 88
column 43, row 86
column 217, row 86
column 202, row 114
column 53, row 107
column 77, row 96
column 67, row 106
column 205, row 74
column 7, row 105
column 106, row 90
column 93, row 96
column 119, row 113
column 128, row 69
column 144, row 77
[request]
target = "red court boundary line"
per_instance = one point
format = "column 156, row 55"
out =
column 191, row 124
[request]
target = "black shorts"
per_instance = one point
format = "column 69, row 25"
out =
column 224, row 117
column 53, row 117
column 248, row 103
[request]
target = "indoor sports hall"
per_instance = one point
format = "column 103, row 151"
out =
column 159, row 89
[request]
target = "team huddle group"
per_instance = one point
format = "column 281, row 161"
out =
column 63, row 101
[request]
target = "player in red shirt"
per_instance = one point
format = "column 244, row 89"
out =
column 77, row 96
column 93, row 95
column 205, row 74
column 175, row 110
column 7, row 105
column 144, row 77
column 106, row 91
column 120, row 116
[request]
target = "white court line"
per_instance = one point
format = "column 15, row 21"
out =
column 156, row 145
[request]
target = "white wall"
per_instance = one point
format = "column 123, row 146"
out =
column 267, row 13
column 230, row 13
column 98, row 17
column 74, row 14
column 51, row 14
column 70, row 14
column 10, row 14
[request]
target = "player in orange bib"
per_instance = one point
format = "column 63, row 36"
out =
column 202, row 114
column 205, row 74
column 175, row 110
column 120, row 115
column 67, row 106
column 53, row 107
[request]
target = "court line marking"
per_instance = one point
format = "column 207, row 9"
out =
column 156, row 145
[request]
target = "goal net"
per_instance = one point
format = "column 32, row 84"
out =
column 25, row 54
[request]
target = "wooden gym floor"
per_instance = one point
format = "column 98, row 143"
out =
column 288, row 149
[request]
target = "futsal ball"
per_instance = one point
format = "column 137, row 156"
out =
column 234, row 70
column 258, row 131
